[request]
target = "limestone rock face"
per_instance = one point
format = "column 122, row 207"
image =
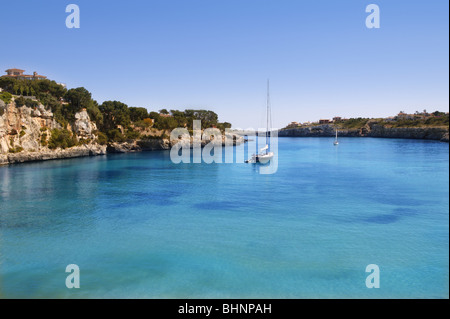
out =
column 428, row 133
column 24, row 130
column 21, row 127
column 83, row 125
column 77, row 151
column 41, row 112
column 3, row 129
column 139, row 146
column 125, row 147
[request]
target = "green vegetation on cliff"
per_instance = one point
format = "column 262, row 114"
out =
column 116, row 122
column 436, row 119
column 21, row 101
column 5, row 97
column 62, row 138
column 418, row 120
column 353, row 123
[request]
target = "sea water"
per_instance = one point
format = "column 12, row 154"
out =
column 139, row 226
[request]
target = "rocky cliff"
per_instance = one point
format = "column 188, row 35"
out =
column 139, row 146
column 317, row 131
column 24, row 134
column 43, row 155
column 164, row 144
column 371, row 129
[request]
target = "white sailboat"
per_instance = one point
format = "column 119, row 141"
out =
column 264, row 155
column 336, row 142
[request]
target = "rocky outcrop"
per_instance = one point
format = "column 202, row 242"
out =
column 371, row 129
column 426, row 133
column 138, row 146
column 154, row 144
column 318, row 131
column 125, row 147
column 157, row 144
column 83, row 126
column 41, row 112
column 25, row 131
column 77, row 151
column 226, row 139
column 20, row 127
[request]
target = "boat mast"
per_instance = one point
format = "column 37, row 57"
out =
column 268, row 114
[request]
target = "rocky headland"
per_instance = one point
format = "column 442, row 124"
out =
column 25, row 133
column 371, row 129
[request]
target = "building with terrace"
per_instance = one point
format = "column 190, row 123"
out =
column 18, row 74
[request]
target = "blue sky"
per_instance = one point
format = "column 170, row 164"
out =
column 321, row 59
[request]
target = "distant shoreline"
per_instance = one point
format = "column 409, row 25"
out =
column 370, row 130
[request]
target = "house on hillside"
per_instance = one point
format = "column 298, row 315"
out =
column 18, row 74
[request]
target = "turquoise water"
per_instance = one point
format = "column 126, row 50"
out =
column 139, row 226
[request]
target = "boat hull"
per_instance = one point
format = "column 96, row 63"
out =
column 264, row 158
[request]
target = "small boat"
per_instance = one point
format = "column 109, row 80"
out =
column 265, row 155
column 336, row 142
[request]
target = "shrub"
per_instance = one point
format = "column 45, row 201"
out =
column 62, row 138
column 115, row 135
column 20, row 101
column 145, row 123
column 31, row 103
column 44, row 139
column 354, row 123
column 17, row 149
column 84, row 141
column 148, row 121
column 440, row 120
column 137, row 113
column 102, row 139
column 132, row 135
column 5, row 97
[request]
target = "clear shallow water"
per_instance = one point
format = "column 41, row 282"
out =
column 139, row 226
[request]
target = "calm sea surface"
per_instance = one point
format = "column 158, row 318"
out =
column 139, row 226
